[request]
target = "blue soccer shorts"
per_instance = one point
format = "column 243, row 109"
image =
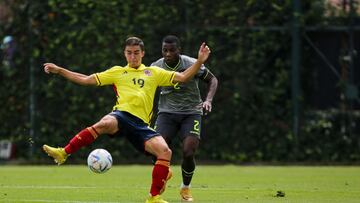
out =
column 134, row 129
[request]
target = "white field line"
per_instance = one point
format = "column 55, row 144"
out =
column 62, row 187
column 109, row 187
column 55, row 201
column 46, row 187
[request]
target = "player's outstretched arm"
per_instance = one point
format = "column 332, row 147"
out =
column 189, row 73
column 75, row 77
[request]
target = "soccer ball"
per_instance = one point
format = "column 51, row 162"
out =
column 99, row 161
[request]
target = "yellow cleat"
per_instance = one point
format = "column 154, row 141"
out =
column 58, row 154
column 165, row 181
column 155, row 199
column 186, row 195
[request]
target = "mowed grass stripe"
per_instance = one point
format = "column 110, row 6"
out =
column 229, row 183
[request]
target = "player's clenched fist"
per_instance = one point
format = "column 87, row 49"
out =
column 51, row 68
column 204, row 52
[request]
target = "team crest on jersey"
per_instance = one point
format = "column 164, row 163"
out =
column 147, row 72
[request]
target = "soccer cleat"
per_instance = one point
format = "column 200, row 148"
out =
column 58, row 154
column 155, row 199
column 165, row 181
column 186, row 195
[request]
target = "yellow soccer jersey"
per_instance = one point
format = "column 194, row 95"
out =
column 135, row 88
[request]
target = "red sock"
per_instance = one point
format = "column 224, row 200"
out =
column 83, row 138
column 159, row 175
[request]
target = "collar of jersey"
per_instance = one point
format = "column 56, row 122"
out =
column 141, row 67
column 175, row 68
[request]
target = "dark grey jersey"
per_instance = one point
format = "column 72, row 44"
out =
column 182, row 98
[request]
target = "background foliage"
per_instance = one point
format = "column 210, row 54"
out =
column 251, row 56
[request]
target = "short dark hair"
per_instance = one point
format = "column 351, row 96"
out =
column 171, row 39
column 135, row 41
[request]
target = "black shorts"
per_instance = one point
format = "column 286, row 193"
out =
column 134, row 129
column 169, row 124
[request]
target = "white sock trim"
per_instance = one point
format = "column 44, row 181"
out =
column 185, row 186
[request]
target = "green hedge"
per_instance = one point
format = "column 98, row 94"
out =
column 252, row 110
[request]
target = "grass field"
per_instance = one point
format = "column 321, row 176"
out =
column 211, row 184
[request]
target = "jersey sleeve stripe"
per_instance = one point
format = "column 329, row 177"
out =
column 97, row 79
column 172, row 77
column 206, row 74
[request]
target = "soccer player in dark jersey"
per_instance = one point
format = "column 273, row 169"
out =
column 135, row 86
column 181, row 107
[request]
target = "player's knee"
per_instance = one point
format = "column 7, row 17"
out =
column 106, row 125
column 167, row 153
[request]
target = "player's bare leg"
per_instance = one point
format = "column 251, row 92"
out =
column 107, row 125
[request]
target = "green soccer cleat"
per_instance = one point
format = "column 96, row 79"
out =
column 165, row 181
column 155, row 199
column 186, row 195
column 58, row 154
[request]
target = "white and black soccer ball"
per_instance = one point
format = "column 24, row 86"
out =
column 99, row 161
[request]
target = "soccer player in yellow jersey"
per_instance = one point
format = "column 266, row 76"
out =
column 135, row 86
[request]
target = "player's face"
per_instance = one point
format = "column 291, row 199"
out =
column 134, row 55
column 170, row 52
